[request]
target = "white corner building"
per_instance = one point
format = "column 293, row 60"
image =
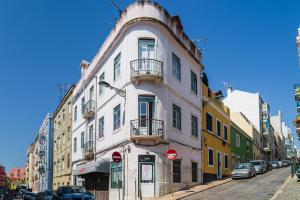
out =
column 157, row 107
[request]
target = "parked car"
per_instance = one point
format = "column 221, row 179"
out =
column 30, row 196
column 47, row 195
column 74, row 192
column 260, row 166
column 269, row 166
column 280, row 163
column 21, row 192
column 243, row 170
column 275, row 164
column 285, row 163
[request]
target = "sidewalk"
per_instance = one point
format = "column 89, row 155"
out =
column 193, row 190
column 289, row 190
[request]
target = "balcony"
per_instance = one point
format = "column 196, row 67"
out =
column 88, row 150
column 147, row 131
column 89, row 109
column 146, row 70
column 297, row 91
column 298, row 106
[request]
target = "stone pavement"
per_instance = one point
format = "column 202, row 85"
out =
column 290, row 190
column 193, row 190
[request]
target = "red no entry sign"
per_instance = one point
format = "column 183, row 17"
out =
column 116, row 156
column 171, row 154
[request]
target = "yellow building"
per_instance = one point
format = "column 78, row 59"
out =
column 215, row 135
column 62, row 161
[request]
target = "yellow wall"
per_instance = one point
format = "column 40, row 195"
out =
column 210, row 139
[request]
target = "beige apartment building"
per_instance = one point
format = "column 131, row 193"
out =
column 30, row 167
column 249, row 128
column 62, row 161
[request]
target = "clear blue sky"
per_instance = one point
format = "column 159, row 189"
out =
column 251, row 45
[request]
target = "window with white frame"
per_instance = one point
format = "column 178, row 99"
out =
column 117, row 117
column 219, row 130
column 101, row 88
column 194, row 123
column 75, row 113
column 176, row 117
column 225, row 133
column 75, row 145
column 210, row 157
column 194, row 82
column 176, row 67
column 117, row 66
column 101, row 127
column 209, row 122
column 225, row 161
column 82, row 140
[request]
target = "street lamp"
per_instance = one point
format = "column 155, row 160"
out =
column 120, row 92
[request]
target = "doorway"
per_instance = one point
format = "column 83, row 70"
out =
column 146, row 176
column 219, row 165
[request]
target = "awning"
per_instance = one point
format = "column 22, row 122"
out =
column 100, row 166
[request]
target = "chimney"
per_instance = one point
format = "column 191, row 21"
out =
column 229, row 90
column 83, row 67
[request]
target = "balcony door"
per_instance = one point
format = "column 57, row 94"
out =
column 146, row 53
column 146, row 114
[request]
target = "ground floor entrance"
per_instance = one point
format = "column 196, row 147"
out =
column 97, row 184
column 146, row 166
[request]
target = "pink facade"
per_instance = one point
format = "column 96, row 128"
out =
column 2, row 176
column 17, row 174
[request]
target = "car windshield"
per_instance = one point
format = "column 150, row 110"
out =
column 274, row 162
column 243, row 166
column 77, row 190
column 256, row 163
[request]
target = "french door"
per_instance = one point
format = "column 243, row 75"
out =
column 146, row 114
column 146, row 55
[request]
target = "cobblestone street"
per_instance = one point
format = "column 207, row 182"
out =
column 261, row 187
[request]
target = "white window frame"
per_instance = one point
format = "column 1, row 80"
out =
column 217, row 120
column 196, row 89
column 101, row 131
column 224, row 125
column 225, row 154
column 209, row 165
column 212, row 122
column 116, row 76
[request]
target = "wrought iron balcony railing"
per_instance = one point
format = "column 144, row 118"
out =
column 147, row 127
column 148, row 68
column 88, row 150
column 89, row 109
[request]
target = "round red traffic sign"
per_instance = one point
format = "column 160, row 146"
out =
column 116, row 156
column 171, row 154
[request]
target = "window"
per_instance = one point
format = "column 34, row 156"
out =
column 69, row 107
column 116, row 176
column 82, row 140
column 176, row 68
column 225, row 161
column 91, row 133
column 194, row 126
column 176, row 117
column 64, row 115
column 225, row 133
column 82, row 104
column 75, row 113
column 101, row 127
column 209, row 119
column 117, row 117
column 194, row 172
column 101, row 88
column 218, row 128
column 176, row 171
column 75, row 145
column 117, row 67
column 91, row 93
column 210, row 157
column 193, row 82
column 69, row 161
column 237, row 139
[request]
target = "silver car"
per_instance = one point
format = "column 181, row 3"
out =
column 260, row 166
column 243, row 170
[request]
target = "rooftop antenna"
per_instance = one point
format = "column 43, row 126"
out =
column 200, row 43
column 117, row 7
